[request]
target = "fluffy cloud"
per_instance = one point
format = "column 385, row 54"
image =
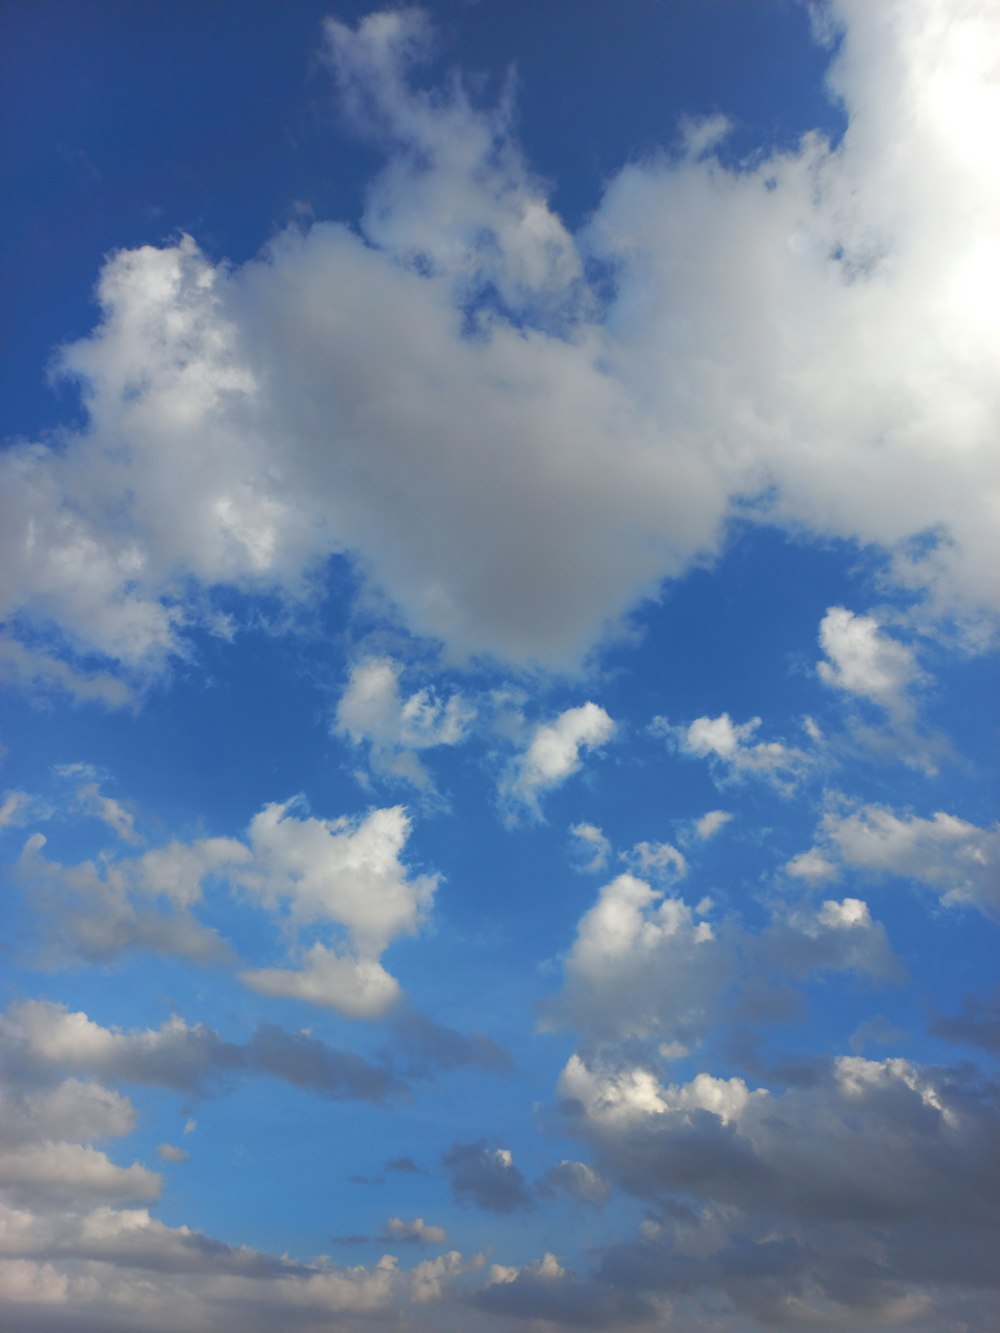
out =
column 900, row 1142
column 863, row 660
column 358, row 987
column 709, row 824
column 372, row 711
column 441, row 459
column 343, row 871
column 647, row 965
column 865, row 663
column 41, row 1036
column 60, row 1175
column 732, row 751
column 71, row 1109
column 774, row 1200
column 108, row 1267
column 42, row 1040
column 344, row 875
column 553, row 754
column 959, row 860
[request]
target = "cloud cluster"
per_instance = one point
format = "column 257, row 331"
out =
column 80, row 1250
column 343, row 876
column 776, row 1199
column 513, row 462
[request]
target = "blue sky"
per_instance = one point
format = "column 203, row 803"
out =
column 498, row 541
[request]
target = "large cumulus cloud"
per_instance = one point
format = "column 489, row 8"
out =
column 511, row 462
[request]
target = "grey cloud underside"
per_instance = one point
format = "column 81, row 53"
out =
column 516, row 489
column 486, row 1177
column 42, row 1040
column 867, row 1196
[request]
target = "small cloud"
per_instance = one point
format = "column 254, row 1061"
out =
column 402, row 1164
column 592, row 845
column 417, row 1232
column 709, row 824
column 812, row 866
column 169, row 1153
column 486, row 1177
column 658, row 860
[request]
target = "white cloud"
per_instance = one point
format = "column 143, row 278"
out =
column 732, row 751
column 344, row 875
column 643, row 965
column 865, row 661
column 638, row 964
column 874, row 1165
column 73, row 1109
column 115, row 1267
column 372, row 711
column 811, row 865
column 709, row 824
column 593, row 845
column 553, row 754
column 360, row 988
column 60, row 1175
column 45, row 1037
column 341, row 870
column 443, row 460
column 959, row 860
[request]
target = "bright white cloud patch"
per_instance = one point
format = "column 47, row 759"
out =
column 344, row 873
column 863, row 660
column 878, row 256
column 732, row 750
column 372, row 711
column 553, row 754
